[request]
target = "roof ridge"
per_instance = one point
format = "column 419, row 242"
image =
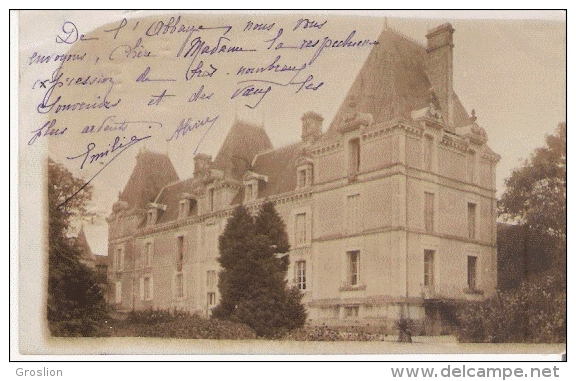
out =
column 411, row 39
column 166, row 186
column 276, row 149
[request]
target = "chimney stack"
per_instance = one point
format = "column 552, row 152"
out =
column 202, row 164
column 440, row 59
column 311, row 126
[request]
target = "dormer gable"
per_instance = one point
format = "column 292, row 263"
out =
column 252, row 183
column 356, row 121
column 304, row 172
column 187, row 206
column 153, row 213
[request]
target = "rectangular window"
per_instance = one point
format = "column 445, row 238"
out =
column 353, row 268
column 118, row 292
column 428, row 149
column 211, row 280
column 212, row 232
column 354, row 157
column 471, row 166
column 183, row 211
column 472, row 272
column 353, row 214
column 119, row 259
column 148, row 254
column 351, row 312
column 179, row 285
column 180, row 258
column 249, row 192
column 302, row 178
column 300, row 275
column 309, row 173
column 428, row 267
column 211, row 199
column 300, row 229
column 146, row 288
column 211, row 299
column 429, row 212
column 471, row 220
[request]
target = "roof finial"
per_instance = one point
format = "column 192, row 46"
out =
column 473, row 115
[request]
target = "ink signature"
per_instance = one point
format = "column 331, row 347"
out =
column 90, row 156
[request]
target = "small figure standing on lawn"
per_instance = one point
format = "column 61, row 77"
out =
column 404, row 330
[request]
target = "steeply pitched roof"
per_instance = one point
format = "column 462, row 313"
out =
column 86, row 252
column 152, row 171
column 242, row 143
column 170, row 196
column 392, row 83
column 280, row 167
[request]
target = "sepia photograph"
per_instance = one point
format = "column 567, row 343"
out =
column 296, row 182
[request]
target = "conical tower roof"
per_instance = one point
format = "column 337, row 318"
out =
column 152, row 172
column 240, row 147
column 84, row 246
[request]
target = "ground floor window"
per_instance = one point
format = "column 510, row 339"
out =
column 211, row 298
column 472, row 261
column 146, row 288
column 118, row 292
column 353, row 267
column 179, row 285
column 300, row 275
column 351, row 312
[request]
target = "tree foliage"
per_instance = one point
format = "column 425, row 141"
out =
column 535, row 312
column 252, row 282
column 75, row 302
column 536, row 192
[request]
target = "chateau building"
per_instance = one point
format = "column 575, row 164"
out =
column 388, row 209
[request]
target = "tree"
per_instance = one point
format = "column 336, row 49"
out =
column 75, row 303
column 536, row 192
column 536, row 195
column 252, row 283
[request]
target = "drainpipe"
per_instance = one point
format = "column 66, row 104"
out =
column 406, row 228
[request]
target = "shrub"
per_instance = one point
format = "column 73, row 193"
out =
column 535, row 312
column 178, row 324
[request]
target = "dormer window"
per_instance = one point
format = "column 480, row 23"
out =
column 301, row 178
column 354, row 157
column 151, row 217
column 186, row 206
column 304, row 173
column 250, row 190
column 211, row 199
column 153, row 210
column 183, row 208
column 253, row 183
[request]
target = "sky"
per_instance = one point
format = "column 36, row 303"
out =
column 511, row 72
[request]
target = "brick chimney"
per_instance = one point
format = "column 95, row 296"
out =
column 202, row 163
column 439, row 49
column 311, row 126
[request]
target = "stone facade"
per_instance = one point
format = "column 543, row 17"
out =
column 393, row 205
